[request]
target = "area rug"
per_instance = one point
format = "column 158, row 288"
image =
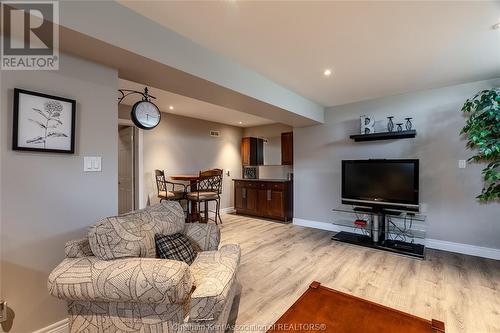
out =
column 323, row 309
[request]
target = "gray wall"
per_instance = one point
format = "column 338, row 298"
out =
column 453, row 214
column 182, row 145
column 47, row 199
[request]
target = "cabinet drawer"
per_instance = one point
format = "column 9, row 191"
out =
column 276, row 186
column 244, row 183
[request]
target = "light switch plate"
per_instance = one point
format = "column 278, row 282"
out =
column 462, row 164
column 92, row 163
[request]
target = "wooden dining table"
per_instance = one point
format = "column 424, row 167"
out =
column 194, row 215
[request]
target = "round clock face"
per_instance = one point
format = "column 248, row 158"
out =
column 145, row 115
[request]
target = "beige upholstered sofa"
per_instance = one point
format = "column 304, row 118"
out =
column 113, row 282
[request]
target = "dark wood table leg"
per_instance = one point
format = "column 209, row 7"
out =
column 205, row 219
column 195, row 215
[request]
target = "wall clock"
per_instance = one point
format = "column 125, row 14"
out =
column 145, row 114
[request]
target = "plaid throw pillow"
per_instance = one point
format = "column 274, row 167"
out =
column 175, row 247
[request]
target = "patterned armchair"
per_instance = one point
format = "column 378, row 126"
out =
column 113, row 282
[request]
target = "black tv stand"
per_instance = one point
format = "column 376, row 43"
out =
column 387, row 230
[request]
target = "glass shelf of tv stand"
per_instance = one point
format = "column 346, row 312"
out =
column 389, row 213
column 404, row 230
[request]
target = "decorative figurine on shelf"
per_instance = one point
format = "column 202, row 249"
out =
column 367, row 125
column 390, row 124
column 408, row 124
column 400, row 127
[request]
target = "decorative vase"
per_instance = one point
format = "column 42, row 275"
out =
column 400, row 127
column 408, row 124
column 390, row 124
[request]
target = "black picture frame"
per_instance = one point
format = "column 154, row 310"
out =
column 16, row 122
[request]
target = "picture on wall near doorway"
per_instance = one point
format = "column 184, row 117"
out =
column 43, row 123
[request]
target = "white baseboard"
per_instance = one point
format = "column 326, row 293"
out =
column 227, row 210
column 59, row 327
column 471, row 250
column 316, row 225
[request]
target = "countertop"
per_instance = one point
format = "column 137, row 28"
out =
column 262, row 180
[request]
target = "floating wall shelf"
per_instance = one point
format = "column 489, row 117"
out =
column 384, row 136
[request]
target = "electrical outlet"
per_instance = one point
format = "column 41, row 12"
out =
column 462, row 164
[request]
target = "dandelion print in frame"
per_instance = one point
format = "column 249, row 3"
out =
column 43, row 122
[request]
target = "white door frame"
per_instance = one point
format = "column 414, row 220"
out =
column 139, row 163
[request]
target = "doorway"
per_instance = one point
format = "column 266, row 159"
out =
column 126, row 169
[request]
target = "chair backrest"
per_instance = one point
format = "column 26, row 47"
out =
column 136, row 235
column 160, row 181
column 210, row 180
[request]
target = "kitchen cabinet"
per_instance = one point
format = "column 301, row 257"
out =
column 252, row 151
column 287, row 148
column 270, row 199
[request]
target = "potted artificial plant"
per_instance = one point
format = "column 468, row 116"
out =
column 483, row 135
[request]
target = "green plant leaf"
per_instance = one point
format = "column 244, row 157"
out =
column 482, row 129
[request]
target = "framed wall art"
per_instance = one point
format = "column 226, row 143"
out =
column 43, row 122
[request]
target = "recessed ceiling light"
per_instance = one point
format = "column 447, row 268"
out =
column 171, row 107
column 496, row 26
column 327, row 72
column 240, row 122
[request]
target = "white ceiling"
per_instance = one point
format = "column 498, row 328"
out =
column 190, row 107
column 375, row 49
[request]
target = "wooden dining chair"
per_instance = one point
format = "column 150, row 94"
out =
column 167, row 190
column 207, row 188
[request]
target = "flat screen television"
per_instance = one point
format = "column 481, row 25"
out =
column 381, row 183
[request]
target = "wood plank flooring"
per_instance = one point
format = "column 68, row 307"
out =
column 280, row 260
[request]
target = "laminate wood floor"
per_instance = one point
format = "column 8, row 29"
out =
column 279, row 261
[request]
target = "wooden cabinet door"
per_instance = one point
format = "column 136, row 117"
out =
column 259, row 152
column 245, row 151
column 287, row 148
column 239, row 197
column 251, row 200
column 276, row 206
column 252, row 151
column 263, row 202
